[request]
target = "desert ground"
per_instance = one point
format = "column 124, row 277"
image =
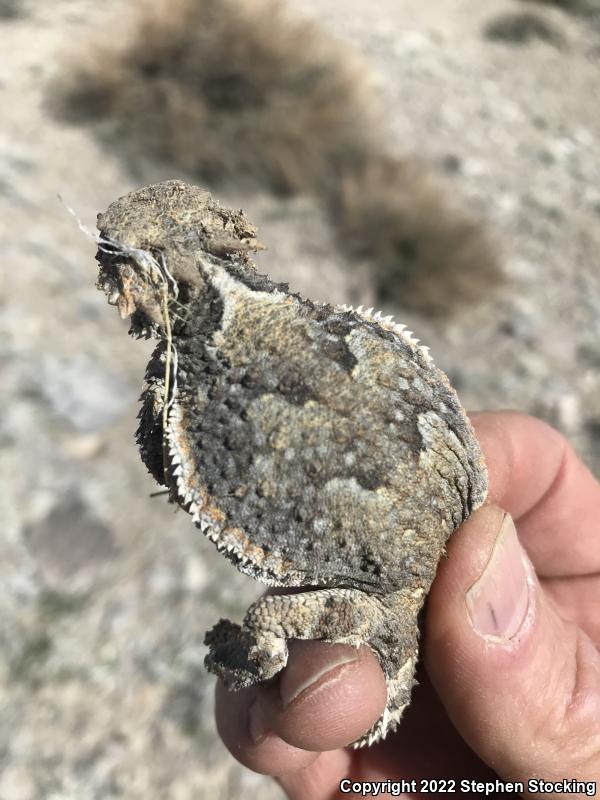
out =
column 106, row 593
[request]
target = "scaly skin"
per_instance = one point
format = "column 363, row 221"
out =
column 317, row 446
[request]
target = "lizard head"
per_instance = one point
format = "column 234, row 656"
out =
column 150, row 247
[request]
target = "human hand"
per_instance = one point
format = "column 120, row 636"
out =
column 510, row 647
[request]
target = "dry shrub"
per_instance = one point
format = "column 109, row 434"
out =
column 232, row 90
column 226, row 89
column 430, row 255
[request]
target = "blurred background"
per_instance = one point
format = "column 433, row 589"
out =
column 439, row 160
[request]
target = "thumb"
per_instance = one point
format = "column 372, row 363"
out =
column 520, row 684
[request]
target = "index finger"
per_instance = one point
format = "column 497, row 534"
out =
column 537, row 477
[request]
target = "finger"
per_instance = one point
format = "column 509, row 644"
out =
column 537, row 477
column 579, row 601
column 425, row 746
column 520, row 684
column 241, row 724
column 321, row 779
column 328, row 696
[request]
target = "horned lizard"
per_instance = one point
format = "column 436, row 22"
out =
column 316, row 446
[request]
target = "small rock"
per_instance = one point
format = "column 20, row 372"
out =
column 69, row 540
column 568, row 411
column 452, row 163
column 12, row 9
column 522, row 28
column 519, row 322
column 195, row 575
column 84, row 447
column 183, row 706
column 32, row 655
column 592, row 428
column 589, row 355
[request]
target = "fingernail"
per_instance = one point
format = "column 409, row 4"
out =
column 257, row 723
column 303, row 672
column 498, row 601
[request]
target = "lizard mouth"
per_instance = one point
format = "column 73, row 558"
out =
column 137, row 282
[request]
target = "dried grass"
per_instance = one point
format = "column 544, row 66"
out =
column 226, row 89
column 431, row 256
column 233, row 90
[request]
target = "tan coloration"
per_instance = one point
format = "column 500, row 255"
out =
column 236, row 90
column 315, row 446
column 129, row 294
column 246, row 548
column 244, row 308
column 246, row 551
column 208, row 227
column 388, row 324
column 183, row 469
column 126, row 302
column 186, row 271
column 176, row 437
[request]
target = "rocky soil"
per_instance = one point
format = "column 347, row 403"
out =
column 105, row 592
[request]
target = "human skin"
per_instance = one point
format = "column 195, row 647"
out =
column 510, row 686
